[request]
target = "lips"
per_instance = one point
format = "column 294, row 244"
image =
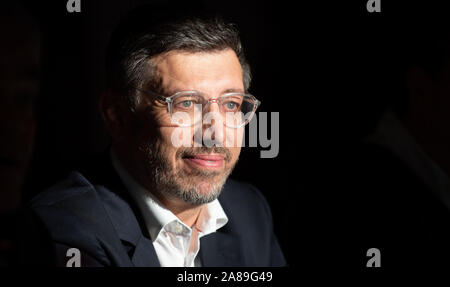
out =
column 206, row 160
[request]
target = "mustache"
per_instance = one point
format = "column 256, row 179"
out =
column 192, row 151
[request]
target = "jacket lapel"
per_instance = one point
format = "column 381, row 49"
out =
column 220, row 249
column 124, row 216
column 145, row 254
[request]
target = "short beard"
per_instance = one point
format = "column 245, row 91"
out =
column 165, row 181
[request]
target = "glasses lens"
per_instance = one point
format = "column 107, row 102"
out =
column 237, row 109
column 186, row 103
column 186, row 109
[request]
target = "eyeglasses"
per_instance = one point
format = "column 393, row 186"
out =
column 185, row 107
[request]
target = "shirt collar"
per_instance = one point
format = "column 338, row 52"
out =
column 157, row 216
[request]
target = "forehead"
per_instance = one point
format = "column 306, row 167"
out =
column 202, row 71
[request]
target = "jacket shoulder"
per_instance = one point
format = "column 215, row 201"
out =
column 74, row 185
column 73, row 215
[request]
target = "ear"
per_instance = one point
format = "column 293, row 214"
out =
column 419, row 85
column 114, row 114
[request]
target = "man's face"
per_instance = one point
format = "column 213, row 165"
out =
column 193, row 174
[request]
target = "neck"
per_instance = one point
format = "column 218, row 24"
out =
column 188, row 214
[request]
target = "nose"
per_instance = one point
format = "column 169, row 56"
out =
column 212, row 106
column 213, row 124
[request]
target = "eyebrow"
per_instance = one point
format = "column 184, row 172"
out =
column 232, row 91
column 226, row 91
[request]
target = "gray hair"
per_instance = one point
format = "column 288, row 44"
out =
column 132, row 67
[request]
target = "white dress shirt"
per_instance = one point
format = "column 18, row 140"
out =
column 176, row 244
column 392, row 135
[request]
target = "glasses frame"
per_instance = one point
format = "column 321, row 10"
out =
column 170, row 99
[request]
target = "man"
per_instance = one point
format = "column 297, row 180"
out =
column 155, row 201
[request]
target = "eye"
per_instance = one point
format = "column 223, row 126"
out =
column 186, row 104
column 232, row 106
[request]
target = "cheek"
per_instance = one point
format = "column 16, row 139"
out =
column 235, row 151
column 167, row 147
column 233, row 137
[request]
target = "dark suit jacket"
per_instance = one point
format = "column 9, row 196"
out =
column 92, row 211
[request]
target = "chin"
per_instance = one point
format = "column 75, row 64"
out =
column 205, row 187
